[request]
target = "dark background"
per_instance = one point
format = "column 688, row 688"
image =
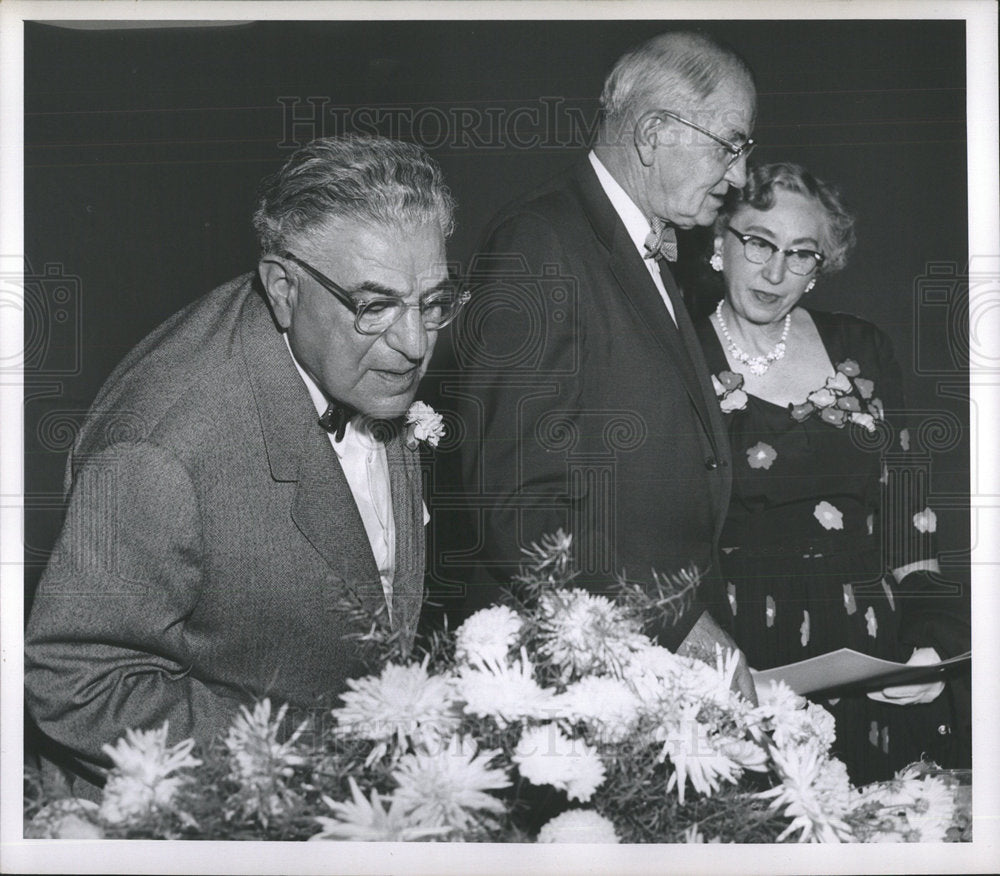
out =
column 143, row 149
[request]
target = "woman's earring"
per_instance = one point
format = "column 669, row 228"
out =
column 810, row 286
column 716, row 261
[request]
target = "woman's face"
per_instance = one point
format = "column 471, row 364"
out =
column 765, row 293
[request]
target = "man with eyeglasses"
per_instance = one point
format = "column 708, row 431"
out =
column 243, row 499
column 602, row 419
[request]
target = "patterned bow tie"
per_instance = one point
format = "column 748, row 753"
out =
column 335, row 419
column 661, row 242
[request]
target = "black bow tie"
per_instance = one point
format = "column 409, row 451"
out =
column 335, row 419
column 337, row 415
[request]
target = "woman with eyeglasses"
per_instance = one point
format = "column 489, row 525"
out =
column 828, row 542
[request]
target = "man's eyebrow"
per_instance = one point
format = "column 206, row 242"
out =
column 375, row 288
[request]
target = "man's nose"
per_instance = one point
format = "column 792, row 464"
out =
column 408, row 335
column 736, row 173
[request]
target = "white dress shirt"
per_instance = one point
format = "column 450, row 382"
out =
column 366, row 468
column 636, row 224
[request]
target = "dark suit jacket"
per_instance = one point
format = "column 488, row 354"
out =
column 584, row 408
column 209, row 536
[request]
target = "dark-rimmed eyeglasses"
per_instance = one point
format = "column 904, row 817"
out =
column 759, row 251
column 375, row 315
column 736, row 150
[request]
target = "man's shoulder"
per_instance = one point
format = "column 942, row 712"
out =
column 560, row 208
column 558, row 195
column 185, row 368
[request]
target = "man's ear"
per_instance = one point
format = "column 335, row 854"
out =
column 281, row 288
column 645, row 136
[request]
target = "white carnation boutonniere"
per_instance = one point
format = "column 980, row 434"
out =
column 423, row 423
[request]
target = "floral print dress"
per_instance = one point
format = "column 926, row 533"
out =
column 826, row 500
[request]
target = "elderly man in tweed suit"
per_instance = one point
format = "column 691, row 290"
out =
column 264, row 480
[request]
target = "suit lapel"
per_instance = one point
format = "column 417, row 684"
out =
column 299, row 451
column 678, row 341
column 408, row 512
column 325, row 512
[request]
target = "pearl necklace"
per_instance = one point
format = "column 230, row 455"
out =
column 757, row 364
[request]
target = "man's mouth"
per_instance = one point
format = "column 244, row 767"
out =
column 397, row 377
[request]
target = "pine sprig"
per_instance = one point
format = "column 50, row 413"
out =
column 662, row 601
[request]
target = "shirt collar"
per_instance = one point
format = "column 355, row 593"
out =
column 356, row 431
column 636, row 224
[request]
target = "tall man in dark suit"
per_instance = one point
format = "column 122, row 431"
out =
column 243, row 477
column 585, row 395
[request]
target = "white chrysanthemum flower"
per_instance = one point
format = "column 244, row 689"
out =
column 654, row 660
column 792, row 719
column 607, row 705
column 504, row 692
column 660, row 677
column 365, row 820
column 403, row 703
column 933, row 810
column 66, row 818
column 585, row 633
column 745, row 753
column 692, row 749
column 778, row 698
column 258, row 762
column 142, row 780
column 814, row 793
column 488, row 635
column 545, row 756
column 578, row 826
column 446, row 788
column 920, row 809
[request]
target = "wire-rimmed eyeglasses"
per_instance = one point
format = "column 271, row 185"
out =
column 376, row 315
column 736, row 150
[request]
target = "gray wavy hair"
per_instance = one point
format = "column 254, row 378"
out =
column 680, row 65
column 373, row 180
column 762, row 182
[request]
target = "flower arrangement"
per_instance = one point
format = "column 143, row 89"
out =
column 552, row 718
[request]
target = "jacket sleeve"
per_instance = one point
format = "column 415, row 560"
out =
column 105, row 642
column 517, row 365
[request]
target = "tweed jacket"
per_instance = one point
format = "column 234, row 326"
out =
column 587, row 408
column 210, row 541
